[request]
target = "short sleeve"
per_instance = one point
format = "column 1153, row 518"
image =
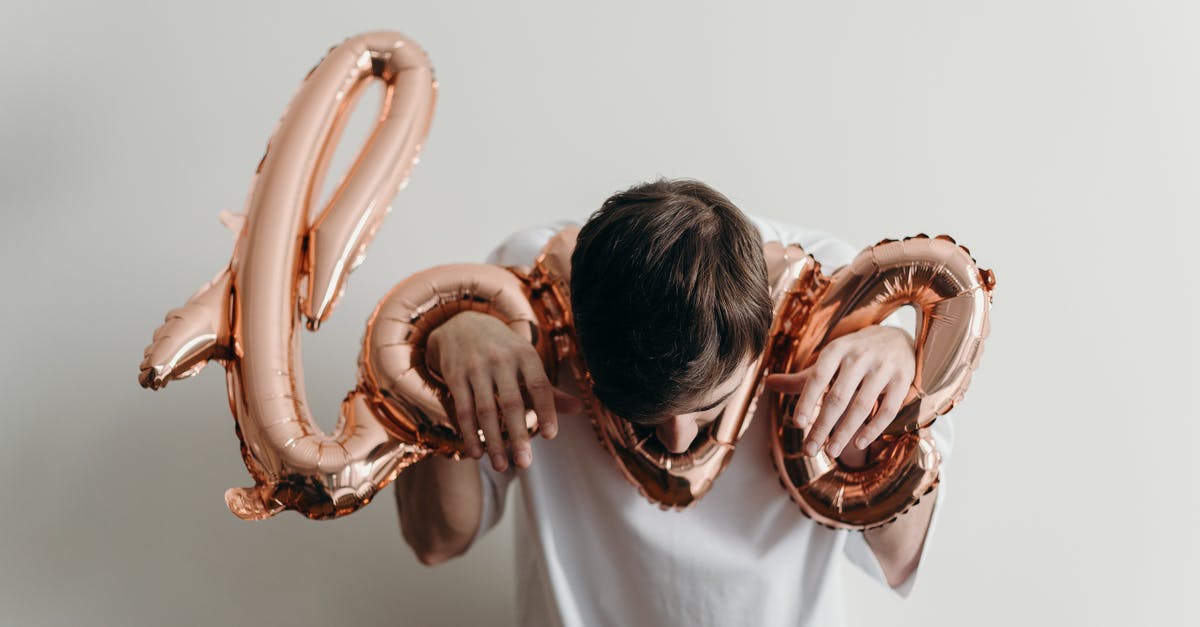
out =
column 520, row 248
column 495, row 495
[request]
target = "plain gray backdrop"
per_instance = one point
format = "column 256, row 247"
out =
column 1059, row 141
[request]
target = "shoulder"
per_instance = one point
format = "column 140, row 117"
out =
column 830, row 250
column 521, row 247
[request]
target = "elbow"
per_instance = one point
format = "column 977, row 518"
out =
column 430, row 559
column 437, row 524
column 896, row 577
column 432, row 549
column 436, row 554
column 433, row 557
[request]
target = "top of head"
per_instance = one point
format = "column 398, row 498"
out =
column 669, row 295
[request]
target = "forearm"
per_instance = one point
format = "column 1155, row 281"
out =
column 898, row 545
column 440, row 505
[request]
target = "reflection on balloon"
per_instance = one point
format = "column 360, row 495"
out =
column 811, row 309
column 248, row 317
column 953, row 298
column 283, row 268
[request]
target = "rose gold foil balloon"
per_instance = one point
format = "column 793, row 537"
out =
column 248, row 317
column 953, row 297
column 811, row 310
column 537, row 299
column 672, row 480
column 403, row 389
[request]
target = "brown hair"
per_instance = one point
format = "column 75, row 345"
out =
column 669, row 294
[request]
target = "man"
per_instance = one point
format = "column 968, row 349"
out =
column 670, row 297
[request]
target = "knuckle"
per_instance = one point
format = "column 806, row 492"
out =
column 511, row 407
column 862, row 404
column 459, row 391
column 859, row 349
column 857, row 357
column 835, row 397
column 538, row 384
column 883, row 417
column 496, row 357
column 472, row 367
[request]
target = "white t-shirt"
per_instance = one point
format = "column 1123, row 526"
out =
column 590, row 550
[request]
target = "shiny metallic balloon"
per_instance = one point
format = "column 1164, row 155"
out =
column 953, row 298
column 248, row 318
column 671, row 480
column 409, row 395
column 811, row 309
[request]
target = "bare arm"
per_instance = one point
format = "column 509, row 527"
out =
column 898, row 546
column 440, row 501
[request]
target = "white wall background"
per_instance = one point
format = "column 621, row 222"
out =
column 1059, row 140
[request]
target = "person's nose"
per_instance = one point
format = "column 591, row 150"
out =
column 677, row 433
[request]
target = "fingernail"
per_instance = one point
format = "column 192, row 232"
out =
column 861, row 443
column 498, row 462
column 475, row 451
column 811, row 448
column 549, row 431
column 523, row 458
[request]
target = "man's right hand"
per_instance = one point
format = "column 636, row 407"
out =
column 482, row 360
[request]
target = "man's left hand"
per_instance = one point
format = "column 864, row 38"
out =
column 872, row 362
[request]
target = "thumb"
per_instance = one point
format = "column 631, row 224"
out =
column 789, row 382
column 566, row 403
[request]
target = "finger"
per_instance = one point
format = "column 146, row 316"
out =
column 858, row 411
column 566, row 403
column 788, row 383
column 485, row 413
column 817, row 378
column 512, row 405
column 464, row 414
column 836, row 399
column 893, row 397
column 541, row 393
